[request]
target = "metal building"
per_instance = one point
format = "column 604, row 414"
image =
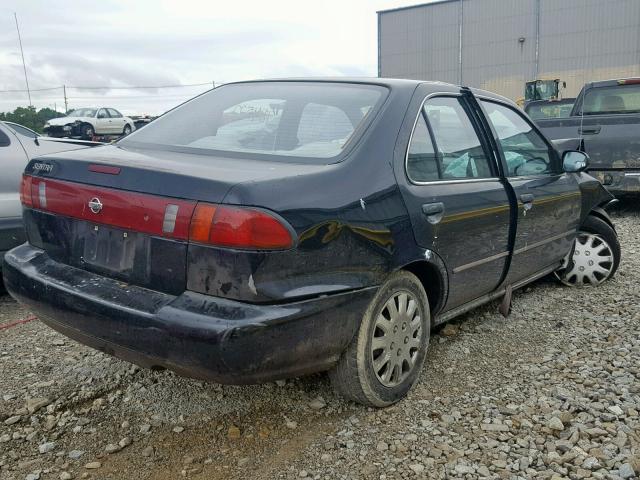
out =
column 498, row 45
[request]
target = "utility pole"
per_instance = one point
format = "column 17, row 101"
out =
column 24, row 65
column 64, row 92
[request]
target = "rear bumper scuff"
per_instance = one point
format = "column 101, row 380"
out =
column 193, row 334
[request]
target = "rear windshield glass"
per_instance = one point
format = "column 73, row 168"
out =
column 540, row 111
column 616, row 99
column 289, row 120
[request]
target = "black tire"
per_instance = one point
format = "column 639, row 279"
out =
column 596, row 226
column 87, row 132
column 127, row 130
column 354, row 376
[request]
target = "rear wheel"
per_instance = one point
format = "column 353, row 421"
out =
column 595, row 257
column 385, row 358
column 127, row 130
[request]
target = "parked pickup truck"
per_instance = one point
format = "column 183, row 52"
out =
column 606, row 116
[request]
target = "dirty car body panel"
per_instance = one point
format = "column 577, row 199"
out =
column 116, row 260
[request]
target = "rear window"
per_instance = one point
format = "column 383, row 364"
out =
column 270, row 120
column 540, row 111
column 612, row 100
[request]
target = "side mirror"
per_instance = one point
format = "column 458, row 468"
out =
column 574, row 161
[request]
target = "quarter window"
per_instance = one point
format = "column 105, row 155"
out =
column 4, row 139
column 422, row 164
column 458, row 152
column 525, row 151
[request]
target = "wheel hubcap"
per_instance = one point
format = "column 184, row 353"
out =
column 591, row 263
column 397, row 338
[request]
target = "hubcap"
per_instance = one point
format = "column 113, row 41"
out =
column 396, row 339
column 591, row 263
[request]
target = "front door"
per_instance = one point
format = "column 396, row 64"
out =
column 549, row 200
column 459, row 206
column 103, row 122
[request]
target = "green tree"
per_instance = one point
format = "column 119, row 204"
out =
column 30, row 118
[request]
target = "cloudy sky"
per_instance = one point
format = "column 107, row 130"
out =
column 120, row 44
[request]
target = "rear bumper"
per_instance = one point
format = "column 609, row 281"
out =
column 619, row 182
column 193, row 334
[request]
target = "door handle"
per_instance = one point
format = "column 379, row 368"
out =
column 589, row 130
column 433, row 211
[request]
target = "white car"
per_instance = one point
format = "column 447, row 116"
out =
column 18, row 145
column 87, row 122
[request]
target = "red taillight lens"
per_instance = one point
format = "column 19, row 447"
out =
column 238, row 227
column 25, row 191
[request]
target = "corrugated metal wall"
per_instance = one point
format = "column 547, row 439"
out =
column 579, row 41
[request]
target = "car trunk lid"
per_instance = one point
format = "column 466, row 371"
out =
column 126, row 214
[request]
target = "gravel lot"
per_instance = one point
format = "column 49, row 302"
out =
column 551, row 392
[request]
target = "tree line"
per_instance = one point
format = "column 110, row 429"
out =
column 30, row 117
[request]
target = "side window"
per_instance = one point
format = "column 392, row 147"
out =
column 459, row 151
column 525, row 151
column 422, row 164
column 4, row 139
column 102, row 113
column 114, row 113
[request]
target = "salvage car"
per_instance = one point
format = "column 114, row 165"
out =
column 272, row 229
column 606, row 116
column 18, row 144
column 87, row 122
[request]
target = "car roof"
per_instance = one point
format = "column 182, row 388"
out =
column 388, row 82
column 398, row 83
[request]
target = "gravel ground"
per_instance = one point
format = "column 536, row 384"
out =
column 551, row 392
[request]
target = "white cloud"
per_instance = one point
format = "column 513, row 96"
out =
column 118, row 43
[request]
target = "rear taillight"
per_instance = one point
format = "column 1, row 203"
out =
column 238, row 227
column 25, row 191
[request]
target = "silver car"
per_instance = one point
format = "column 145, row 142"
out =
column 18, row 145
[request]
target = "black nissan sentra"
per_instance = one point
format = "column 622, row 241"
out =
column 272, row 229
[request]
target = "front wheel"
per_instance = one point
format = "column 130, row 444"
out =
column 596, row 255
column 385, row 358
column 87, row 132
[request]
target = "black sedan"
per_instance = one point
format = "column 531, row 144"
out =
column 271, row 229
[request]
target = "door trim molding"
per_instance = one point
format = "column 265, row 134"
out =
column 543, row 242
column 482, row 261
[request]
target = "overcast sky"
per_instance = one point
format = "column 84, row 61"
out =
column 150, row 43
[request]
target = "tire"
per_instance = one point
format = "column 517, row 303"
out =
column 87, row 132
column 355, row 376
column 127, row 130
column 596, row 255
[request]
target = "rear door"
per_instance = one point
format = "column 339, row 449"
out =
column 548, row 199
column 458, row 205
column 117, row 120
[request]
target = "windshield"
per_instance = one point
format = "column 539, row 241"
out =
column 294, row 120
column 82, row 112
